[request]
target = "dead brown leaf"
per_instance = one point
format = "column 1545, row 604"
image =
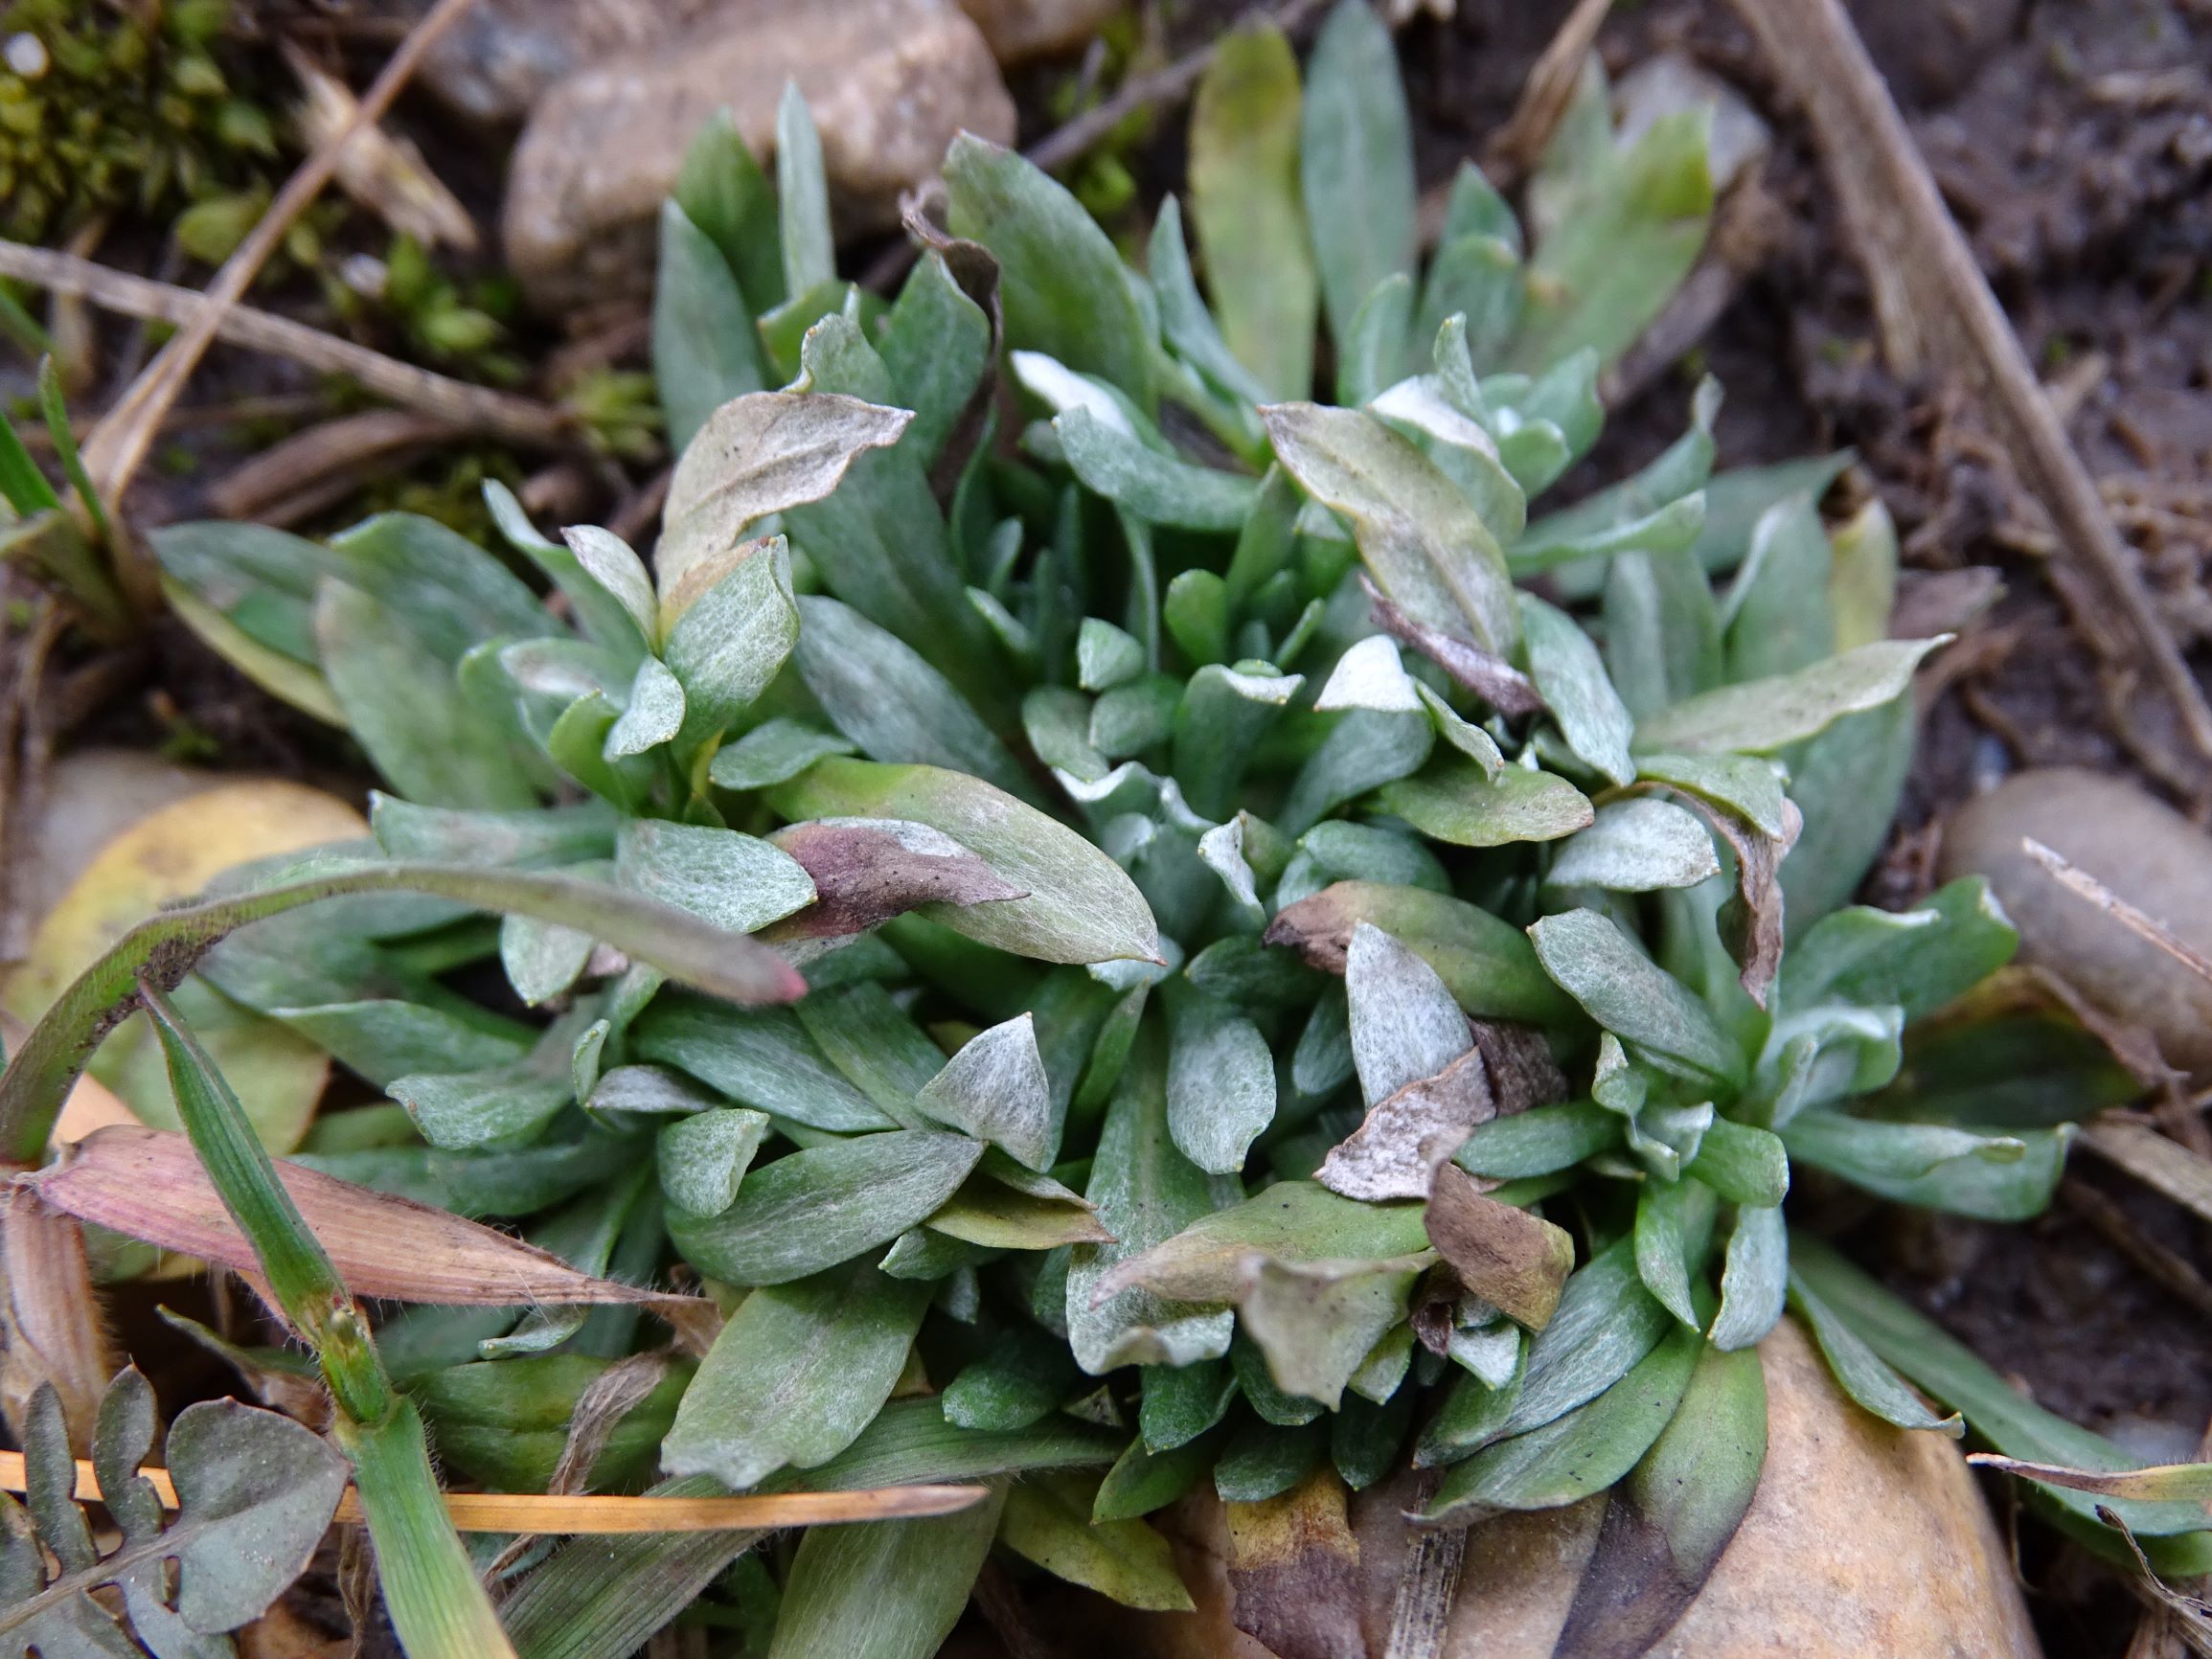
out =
column 1407, row 1134
column 1516, row 1262
column 864, row 875
column 1295, row 1572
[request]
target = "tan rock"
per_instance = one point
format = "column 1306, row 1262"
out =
column 889, row 83
column 1019, row 30
column 2143, row 850
column 504, row 55
column 1862, row 1539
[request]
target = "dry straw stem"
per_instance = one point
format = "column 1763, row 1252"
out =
column 1936, row 308
column 120, row 442
column 517, row 420
column 1545, row 95
column 2082, row 885
column 606, row 1516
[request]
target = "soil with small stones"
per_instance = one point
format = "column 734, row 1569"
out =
column 2074, row 143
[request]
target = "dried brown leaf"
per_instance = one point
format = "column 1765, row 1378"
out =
column 148, row 1184
column 50, row 1317
column 1295, row 1572
column 1752, row 926
column 866, row 874
column 1489, row 677
column 1407, row 1134
column 1516, row 1262
column 1518, row 1059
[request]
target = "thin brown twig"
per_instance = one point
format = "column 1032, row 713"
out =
column 1544, row 96
column 120, row 443
column 2157, row 1262
column 1934, row 306
column 2082, row 885
column 480, row 408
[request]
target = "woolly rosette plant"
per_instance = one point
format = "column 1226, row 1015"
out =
column 1235, row 950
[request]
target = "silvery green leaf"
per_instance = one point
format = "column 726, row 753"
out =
column 577, row 743
column 1744, row 1165
column 774, row 752
column 1457, row 443
column 656, row 713
column 262, row 580
column 1246, row 207
column 1419, row 536
column 1669, row 529
column 1355, row 162
column 762, row 453
column 880, row 541
column 1824, row 1054
column 995, row 1089
column 1196, row 613
column 812, row 1208
column 542, row 959
column 1664, row 1224
column 1662, row 631
column 614, row 564
column 795, row 1375
column 521, row 840
column 562, row 669
column 730, row 640
column 1080, row 907
column 1322, row 1062
column 704, row 350
column 1848, row 782
column 1540, row 1141
column 1221, row 1081
column 802, row 197
column 1469, row 740
column 887, row 697
column 1490, row 1352
column 1636, row 846
column 1606, row 1322
column 1452, row 799
column 1628, row 994
column 1189, row 326
column 1863, row 579
column 735, row 881
column 505, row 1102
column 1156, row 487
column 1965, row 1172
column 401, row 701
column 1922, row 959
column 1744, row 784
column 1338, row 850
column 1144, row 1190
column 1405, row 1025
column 1223, row 714
column 448, row 592
column 646, row 1091
column 1297, row 1223
column 1627, row 232
column 1134, row 716
column 1379, row 349
column 1064, row 288
column 1754, row 1281
column 1576, row 1453
column 1056, row 719
column 1760, row 716
column 703, row 1157
column 1869, row 1382
column 937, row 343
column 883, row 1589
column 1777, row 613
column 1363, row 750
column 1221, row 850
column 1478, row 278
column 1735, row 500
column 1369, row 675
column 876, row 1043
column 1315, row 1323
column 1105, row 656
column 1572, row 677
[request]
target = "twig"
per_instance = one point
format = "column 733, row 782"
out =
column 2153, row 1257
column 120, row 443
column 311, row 468
column 1934, row 303
column 2082, row 885
column 479, row 408
column 2165, row 1165
column 1544, row 96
